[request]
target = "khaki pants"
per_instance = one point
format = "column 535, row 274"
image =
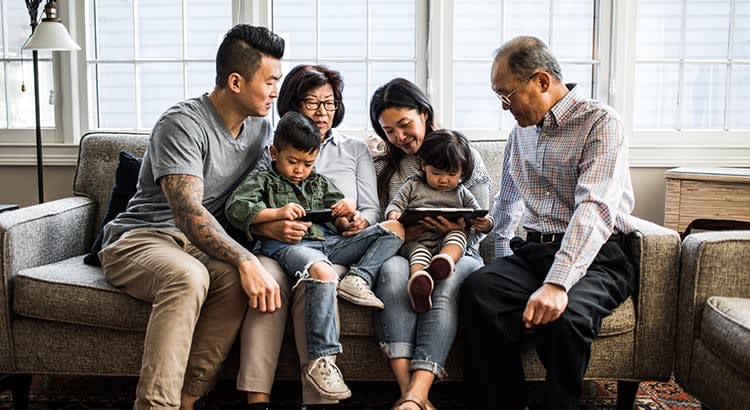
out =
column 262, row 336
column 197, row 309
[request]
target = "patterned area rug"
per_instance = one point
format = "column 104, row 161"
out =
column 116, row 393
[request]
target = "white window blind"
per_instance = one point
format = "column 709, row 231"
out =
column 368, row 41
column 692, row 65
column 144, row 56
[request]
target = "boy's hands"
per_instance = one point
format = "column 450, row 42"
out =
column 282, row 230
column 344, row 207
column 348, row 219
column 481, row 224
column 290, row 211
column 394, row 215
column 352, row 225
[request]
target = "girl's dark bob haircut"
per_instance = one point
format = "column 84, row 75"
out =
column 447, row 150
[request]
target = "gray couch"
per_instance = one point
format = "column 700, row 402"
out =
column 62, row 317
column 713, row 335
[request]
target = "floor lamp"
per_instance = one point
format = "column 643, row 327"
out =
column 49, row 34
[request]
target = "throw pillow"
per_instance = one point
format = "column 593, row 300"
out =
column 126, row 179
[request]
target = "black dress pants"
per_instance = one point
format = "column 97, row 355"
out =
column 492, row 303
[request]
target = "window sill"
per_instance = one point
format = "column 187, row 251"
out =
column 641, row 156
column 658, row 156
column 25, row 155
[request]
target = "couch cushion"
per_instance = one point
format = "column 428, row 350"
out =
column 98, row 158
column 356, row 321
column 126, row 183
column 621, row 320
column 725, row 329
column 72, row 292
column 492, row 154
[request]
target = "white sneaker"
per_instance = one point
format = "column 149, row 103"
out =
column 323, row 374
column 355, row 289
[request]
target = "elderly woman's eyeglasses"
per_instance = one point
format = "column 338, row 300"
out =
column 505, row 98
column 314, row 105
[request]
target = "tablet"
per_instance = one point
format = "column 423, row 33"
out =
column 412, row 216
column 317, row 216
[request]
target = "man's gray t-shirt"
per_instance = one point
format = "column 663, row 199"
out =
column 190, row 138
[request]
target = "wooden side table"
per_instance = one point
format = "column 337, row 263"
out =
column 721, row 194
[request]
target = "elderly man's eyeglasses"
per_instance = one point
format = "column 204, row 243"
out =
column 314, row 105
column 505, row 98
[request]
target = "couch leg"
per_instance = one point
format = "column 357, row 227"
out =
column 626, row 391
column 20, row 386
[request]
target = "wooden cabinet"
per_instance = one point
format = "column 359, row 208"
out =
column 706, row 193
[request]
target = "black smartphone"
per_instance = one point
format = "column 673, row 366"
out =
column 318, row 216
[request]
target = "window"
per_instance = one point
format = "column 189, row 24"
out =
column 16, row 105
column 143, row 56
column 677, row 71
column 570, row 27
column 371, row 42
column 368, row 41
column 692, row 68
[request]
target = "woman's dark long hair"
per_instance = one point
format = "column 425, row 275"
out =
column 304, row 78
column 397, row 93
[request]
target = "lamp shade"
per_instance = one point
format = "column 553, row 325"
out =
column 51, row 35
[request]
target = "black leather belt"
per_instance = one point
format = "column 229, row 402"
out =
column 539, row 237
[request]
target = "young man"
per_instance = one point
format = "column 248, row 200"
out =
column 566, row 179
column 170, row 248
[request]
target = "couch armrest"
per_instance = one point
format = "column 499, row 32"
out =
column 712, row 264
column 35, row 236
column 656, row 251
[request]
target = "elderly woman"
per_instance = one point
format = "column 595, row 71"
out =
column 314, row 91
column 417, row 344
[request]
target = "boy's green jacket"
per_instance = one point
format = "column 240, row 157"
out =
column 263, row 189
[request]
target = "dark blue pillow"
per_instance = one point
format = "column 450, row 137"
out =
column 126, row 179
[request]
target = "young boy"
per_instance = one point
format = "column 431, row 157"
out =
column 285, row 192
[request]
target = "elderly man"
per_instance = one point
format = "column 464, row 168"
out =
column 566, row 179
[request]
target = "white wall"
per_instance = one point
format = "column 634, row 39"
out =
column 18, row 184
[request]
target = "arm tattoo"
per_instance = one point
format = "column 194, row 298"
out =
column 185, row 196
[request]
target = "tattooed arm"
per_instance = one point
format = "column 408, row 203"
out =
column 185, row 196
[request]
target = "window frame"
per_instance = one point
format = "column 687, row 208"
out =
column 17, row 145
column 664, row 148
column 648, row 148
column 440, row 86
column 23, row 135
column 420, row 53
column 88, row 64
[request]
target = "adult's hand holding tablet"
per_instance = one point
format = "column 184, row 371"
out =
column 412, row 216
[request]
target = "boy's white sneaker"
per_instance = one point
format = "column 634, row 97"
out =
column 355, row 289
column 323, row 374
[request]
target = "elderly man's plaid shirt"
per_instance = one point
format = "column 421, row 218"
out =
column 568, row 175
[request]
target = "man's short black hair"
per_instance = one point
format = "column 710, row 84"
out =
column 298, row 131
column 242, row 49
